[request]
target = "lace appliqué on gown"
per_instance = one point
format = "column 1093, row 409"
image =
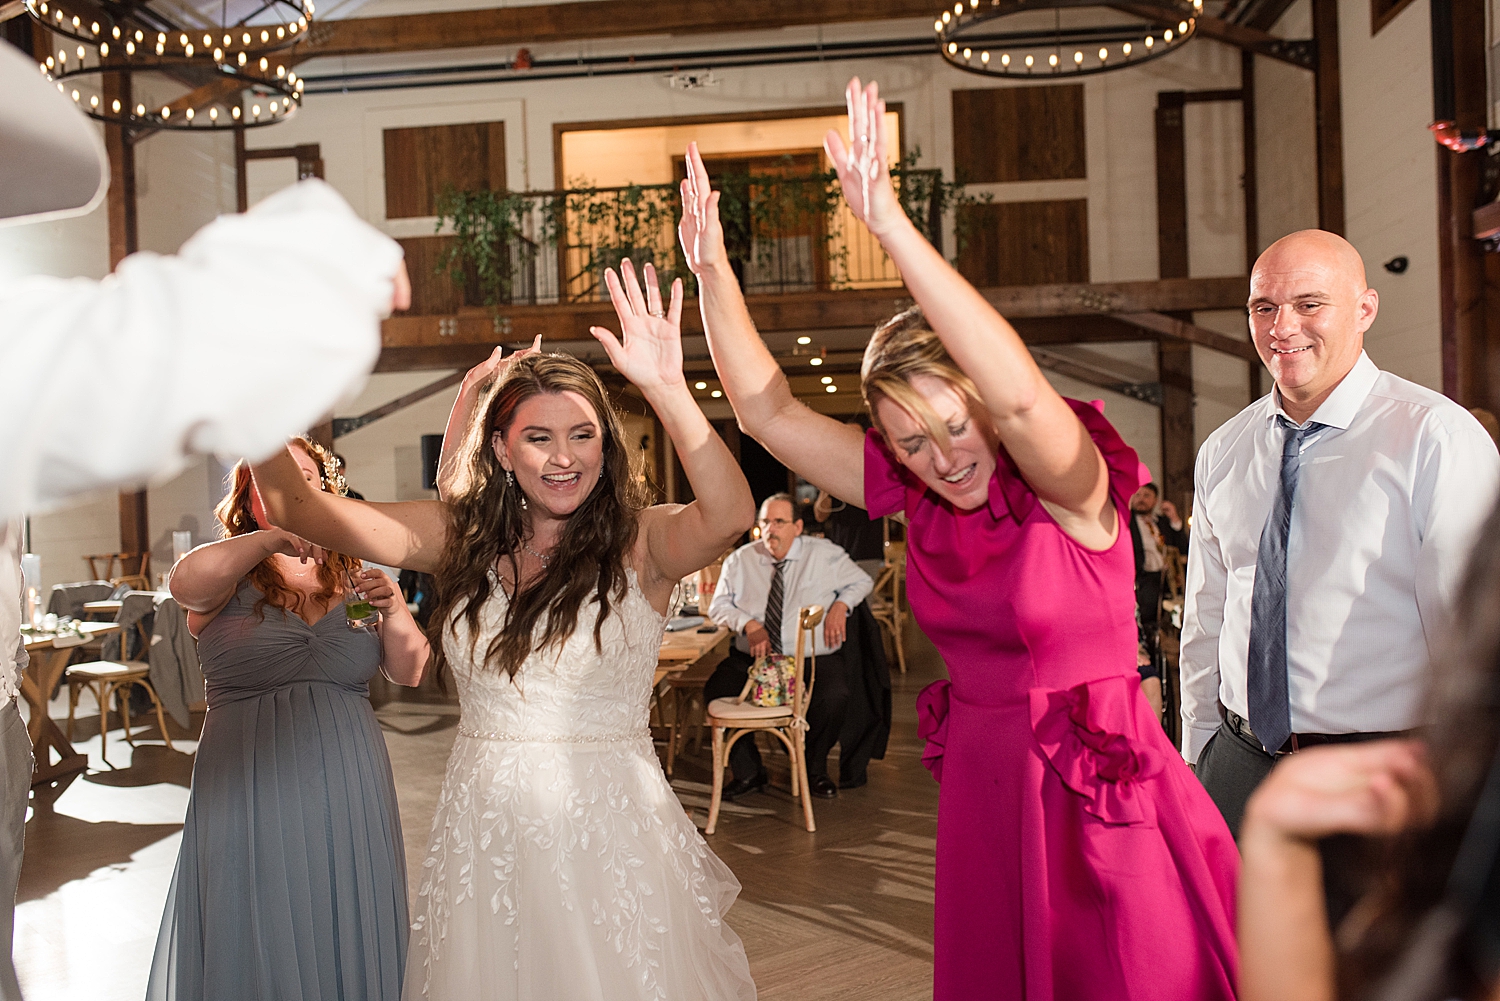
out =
column 560, row 863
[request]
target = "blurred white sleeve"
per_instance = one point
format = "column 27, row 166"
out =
column 250, row 334
column 1202, row 620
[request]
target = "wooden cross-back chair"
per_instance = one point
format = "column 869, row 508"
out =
column 733, row 720
column 885, row 599
column 134, row 569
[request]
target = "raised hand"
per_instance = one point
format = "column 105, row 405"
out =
column 1380, row 787
column 497, row 363
column 862, row 167
column 280, row 541
column 701, row 234
column 648, row 351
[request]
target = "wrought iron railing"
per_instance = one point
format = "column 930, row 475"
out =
column 782, row 233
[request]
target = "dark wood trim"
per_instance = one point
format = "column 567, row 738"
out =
column 1379, row 17
column 1240, row 36
column 1469, row 298
column 1330, row 116
column 135, row 526
column 241, row 182
column 1211, row 96
column 1249, row 173
column 1171, row 185
column 1174, row 329
column 344, row 425
column 1174, row 362
column 565, row 22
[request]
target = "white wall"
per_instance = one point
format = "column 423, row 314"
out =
column 1390, row 182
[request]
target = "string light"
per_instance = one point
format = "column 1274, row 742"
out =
column 804, row 340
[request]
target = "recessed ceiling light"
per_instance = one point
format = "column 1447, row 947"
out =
column 700, row 385
column 716, row 394
column 827, row 379
column 832, row 389
column 804, row 340
column 815, row 361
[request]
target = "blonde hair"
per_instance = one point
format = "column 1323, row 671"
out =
column 901, row 348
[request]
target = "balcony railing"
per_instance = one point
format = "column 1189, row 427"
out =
column 782, row 234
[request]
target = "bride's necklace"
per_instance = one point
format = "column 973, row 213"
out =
column 543, row 558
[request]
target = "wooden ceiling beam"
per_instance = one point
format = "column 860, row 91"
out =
column 599, row 19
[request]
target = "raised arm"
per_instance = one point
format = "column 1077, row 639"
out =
column 1049, row 444
column 224, row 355
column 408, row 534
column 204, row 580
column 1375, row 789
column 475, row 382
column 679, row 539
column 824, row 451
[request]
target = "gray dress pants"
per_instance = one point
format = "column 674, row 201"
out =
column 15, row 776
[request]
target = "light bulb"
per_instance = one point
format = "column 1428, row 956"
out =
column 958, row 9
column 831, row 389
column 1182, row 27
column 62, row 56
column 94, row 101
column 182, row 39
column 265, row 64
column 80, row 53
column 1167, row 35
column 130, row 48
column 246, row 38
column 234, row 112
column 1005, row 59
column 115, row 32
column 140, row 36
column 161, row 38
column 700, row 385
column 241, row 59
column 984, row 57
column 716, row 394
column 1103, row 55
column 827, row 380
column 292, row 28
column 76, row 21
column 815, row 361
column 207, row 41
column 189, row 114
column 44, row 8
column 255, row 110
column 280, row 72
column 140, row 110
column 213, row 114
column 1150, row 41
column 273, row 107
column 937, row 25
column 265, row 36
column 94, row 27
column 280, row 32
column 227, row 41
column 75, row 96
column 1077, row 58
column 50, row 63
column 952, row 48
column 115, row 106
column 1029, row 62
column 189, row 50
column 947, row 17
column 166, row 112
column 968, row 53
column 218, row 55
column 1052, row 60
column 804, row 340
column 1125, row 48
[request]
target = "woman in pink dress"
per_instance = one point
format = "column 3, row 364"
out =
column 1077, row 856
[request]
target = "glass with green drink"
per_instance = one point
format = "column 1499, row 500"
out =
column 358, row 612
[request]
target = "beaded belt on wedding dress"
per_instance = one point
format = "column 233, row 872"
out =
column 598, row 738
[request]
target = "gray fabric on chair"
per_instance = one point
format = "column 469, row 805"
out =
column 175, row 672
column 68, row 599
column 126, row 644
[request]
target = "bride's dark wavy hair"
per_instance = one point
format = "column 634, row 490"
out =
column 486, row 522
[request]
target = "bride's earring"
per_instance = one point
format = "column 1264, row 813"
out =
column 510, row 479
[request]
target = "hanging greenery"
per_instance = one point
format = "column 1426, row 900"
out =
column 503, row 235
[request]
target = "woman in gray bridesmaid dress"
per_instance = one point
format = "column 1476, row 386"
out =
column 291, row 880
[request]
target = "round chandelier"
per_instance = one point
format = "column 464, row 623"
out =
column 231, row 74
column 1056, row 38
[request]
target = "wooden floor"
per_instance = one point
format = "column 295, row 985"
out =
column 844, row 913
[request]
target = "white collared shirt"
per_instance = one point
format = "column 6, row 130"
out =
column 817, row 572
column 1390, row 497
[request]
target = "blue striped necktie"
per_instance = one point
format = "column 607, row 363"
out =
column 1270, row 706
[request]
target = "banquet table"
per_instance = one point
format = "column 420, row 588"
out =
column 49, row 654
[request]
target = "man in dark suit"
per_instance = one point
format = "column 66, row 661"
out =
column 1154, row 526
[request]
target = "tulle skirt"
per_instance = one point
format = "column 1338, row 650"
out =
column 569, row 870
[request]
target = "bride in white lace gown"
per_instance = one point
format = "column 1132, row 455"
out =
column 560, row 865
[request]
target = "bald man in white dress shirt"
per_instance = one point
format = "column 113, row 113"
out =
column 1332, row 523
column 250, row 334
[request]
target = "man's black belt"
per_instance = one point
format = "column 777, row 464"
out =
column 1297, row 741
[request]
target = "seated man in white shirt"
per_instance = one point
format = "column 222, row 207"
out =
column 1332, row 522
column 762, row 611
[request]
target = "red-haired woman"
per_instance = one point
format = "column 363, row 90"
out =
column 291, row 880
column 1077, row 857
